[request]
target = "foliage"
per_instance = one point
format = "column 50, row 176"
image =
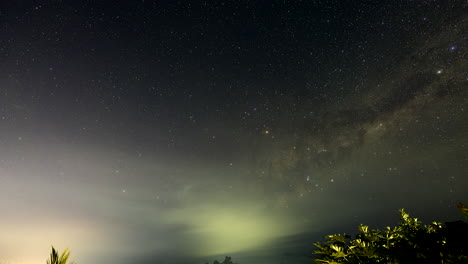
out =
column 409, row 242
column 463, row 210
column 227, row 260
column 56, row 259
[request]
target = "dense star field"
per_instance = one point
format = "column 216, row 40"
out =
column 182, row 131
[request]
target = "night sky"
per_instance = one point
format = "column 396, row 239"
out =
column 177, row 132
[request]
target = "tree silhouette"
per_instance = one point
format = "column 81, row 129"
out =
column 227, row 260
column 409, row 242
column 463, row 210
column 56, row 259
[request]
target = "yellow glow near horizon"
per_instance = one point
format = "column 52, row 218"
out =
column 23, row 242
column 228, row 230
column 231, row 233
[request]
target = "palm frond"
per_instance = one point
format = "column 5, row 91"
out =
column 55, row 259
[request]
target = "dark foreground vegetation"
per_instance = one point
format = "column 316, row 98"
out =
column 410, row 242
column 227, row 260
column 55, row 258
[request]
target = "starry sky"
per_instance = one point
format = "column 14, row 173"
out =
column 179, row 132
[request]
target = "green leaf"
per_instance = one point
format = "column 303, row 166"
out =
column 55, row 259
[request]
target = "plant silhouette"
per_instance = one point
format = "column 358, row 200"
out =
column 410, row 242
column 55, row 258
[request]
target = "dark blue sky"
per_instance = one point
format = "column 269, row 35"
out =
column 183, row 131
